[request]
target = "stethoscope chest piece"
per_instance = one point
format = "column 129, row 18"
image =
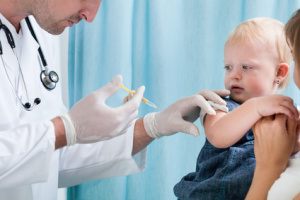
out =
column 49, row 80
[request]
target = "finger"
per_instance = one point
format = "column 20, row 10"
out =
column 281, row 119
column 110, row 88
column 256, row 127
column 291, row 125
column 133, row 104
column 268, row 118
column 130, row 95
column 200, row 101
column 189, row 128
column 125, row 99
column 285, row 110
column 289, row 105
column 211, row 95
column 286, row 98
column 222, row 93
column 260, row 123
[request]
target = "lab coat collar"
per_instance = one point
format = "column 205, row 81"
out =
column 24, row 32
column 29, row 51
column 10, row 27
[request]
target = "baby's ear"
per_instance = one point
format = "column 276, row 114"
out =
column 282, row 71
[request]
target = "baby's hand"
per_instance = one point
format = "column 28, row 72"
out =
column 275, row 104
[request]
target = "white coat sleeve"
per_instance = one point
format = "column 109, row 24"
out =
column 25, row 154
column 288, row 185
column 84, row 162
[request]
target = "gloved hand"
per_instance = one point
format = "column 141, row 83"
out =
column 179, row 116
column 91, row 120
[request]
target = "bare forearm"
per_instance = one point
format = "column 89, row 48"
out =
column 140, row 139
column 228, row 129
column 60, row 134
column 263, row 180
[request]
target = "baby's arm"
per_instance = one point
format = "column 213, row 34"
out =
column 223, row 130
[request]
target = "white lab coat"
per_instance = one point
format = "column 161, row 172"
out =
column 30, row 168
column 288, row 184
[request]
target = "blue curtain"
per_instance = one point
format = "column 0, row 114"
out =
column 175, row 49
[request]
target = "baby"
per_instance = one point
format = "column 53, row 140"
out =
column 256, row 60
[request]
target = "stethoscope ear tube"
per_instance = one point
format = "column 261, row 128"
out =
column 34, row 36
column 1, row 52
column 8, row 35
column 30, row 107
column 48, row 79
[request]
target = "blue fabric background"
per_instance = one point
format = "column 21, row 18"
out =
column 175, row 49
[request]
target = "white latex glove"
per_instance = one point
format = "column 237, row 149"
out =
column 91, row 120
column 179, row 116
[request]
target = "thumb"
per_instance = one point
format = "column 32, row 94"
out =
column 134, row 103
column 189, row 128
column 222, row 93
column 291, row 127
column 110, row 88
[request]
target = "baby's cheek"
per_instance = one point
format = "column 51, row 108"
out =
column 258, row 91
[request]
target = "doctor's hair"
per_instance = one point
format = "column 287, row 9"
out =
column 270, row 34
column 292, row 29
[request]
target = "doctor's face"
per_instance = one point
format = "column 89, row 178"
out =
column 250, row 70
column 55, row 15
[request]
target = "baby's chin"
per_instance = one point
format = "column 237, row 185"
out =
column 237, row 99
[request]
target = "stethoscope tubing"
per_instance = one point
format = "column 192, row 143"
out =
column 48, row 79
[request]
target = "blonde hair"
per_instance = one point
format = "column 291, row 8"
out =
column 292, row 29
column 269, row 33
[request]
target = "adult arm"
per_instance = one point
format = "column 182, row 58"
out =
column 118, row 156
column 60, row 133
column 140, row 138
column 297, row 197
column 273, row 145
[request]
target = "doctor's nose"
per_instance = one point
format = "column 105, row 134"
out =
column 90, row 13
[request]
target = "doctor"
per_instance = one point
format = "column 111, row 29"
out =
column 42, row 145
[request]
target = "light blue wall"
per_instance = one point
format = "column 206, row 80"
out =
column 175, row 49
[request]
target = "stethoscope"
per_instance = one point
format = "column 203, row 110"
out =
column 48, row 78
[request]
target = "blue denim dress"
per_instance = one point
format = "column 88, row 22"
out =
column 221, row 173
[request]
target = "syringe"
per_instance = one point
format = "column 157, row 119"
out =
column 149, row 103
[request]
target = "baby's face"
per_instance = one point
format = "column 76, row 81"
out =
column 250, row 70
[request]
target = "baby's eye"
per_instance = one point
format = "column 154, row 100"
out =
column 246, row 67
column 227, row 67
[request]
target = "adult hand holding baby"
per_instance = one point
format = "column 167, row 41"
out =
column 273, row 145
column 296, row 148
column 274, row 139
